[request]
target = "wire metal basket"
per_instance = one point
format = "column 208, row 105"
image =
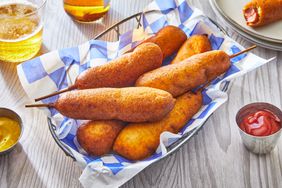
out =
column 117, row 30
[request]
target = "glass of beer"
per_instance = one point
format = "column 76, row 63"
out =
column 21, row 26
column 86, row 10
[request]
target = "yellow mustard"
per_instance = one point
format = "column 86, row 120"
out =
column 9, row 133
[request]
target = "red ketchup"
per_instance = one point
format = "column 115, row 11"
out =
column 251, row 15
column 261, row 123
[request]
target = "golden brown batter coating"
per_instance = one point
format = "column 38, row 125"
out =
column 140, row 140
column 262, row 12
column 123, row 71
column 132, row 104
column 97, row 137
column 169, row 39
column 195, row 44
column 184, row 76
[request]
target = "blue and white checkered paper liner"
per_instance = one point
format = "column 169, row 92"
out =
column 58, row 69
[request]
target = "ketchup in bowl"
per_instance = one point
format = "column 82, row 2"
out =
column 261, row 123
column 259, row 126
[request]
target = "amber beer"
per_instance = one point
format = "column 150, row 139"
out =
column 86, row 10
column 20, row 31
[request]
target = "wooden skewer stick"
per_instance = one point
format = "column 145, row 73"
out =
column 56, row 93
column 234, row 55
column 243, row 51
column 39, row 105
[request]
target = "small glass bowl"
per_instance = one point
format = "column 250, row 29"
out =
column 5, row 112
column 258, row 144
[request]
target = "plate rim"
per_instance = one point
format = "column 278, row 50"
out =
column 250, row 38
column 215, row 5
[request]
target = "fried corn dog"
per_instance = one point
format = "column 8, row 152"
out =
column 262, row 12
column 132, row 104
column 195, row 44
column 120, row 72
column 140, row 140
column 123, row 71
column 169, row 39
column 97, row 137
column 184, row 76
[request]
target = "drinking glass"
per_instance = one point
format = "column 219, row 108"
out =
column 21, row 27
column 86, row 10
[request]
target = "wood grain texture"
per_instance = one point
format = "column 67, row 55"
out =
column 215, row 157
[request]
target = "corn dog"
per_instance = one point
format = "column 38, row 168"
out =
column 262, row 12
column 184, row 76
column 140, row 140
column 169, row 39
column 121, row 72
column 97, row 137
column 132, row 104
column 195, row 44
column 192, row 72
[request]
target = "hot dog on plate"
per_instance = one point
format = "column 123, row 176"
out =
column 262, row 12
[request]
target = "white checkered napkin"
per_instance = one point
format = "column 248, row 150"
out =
column 58, row 69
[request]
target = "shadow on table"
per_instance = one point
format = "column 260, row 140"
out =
column 19, row 169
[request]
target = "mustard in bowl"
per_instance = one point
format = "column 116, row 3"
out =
column 10, row 130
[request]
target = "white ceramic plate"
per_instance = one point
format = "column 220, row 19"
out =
column 259, row 42
column 231, row 10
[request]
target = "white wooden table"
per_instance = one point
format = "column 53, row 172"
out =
column 213, row 158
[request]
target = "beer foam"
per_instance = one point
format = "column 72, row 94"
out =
column 26, row 24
